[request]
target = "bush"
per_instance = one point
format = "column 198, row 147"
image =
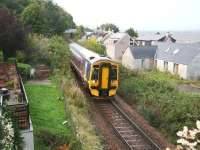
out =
column 58, row 52
column 11, row 60
column 53, row 52
column 38, row 45
column 93, row 45
column 10, row 137
column 24, row 70
column 21, row 56
column 159, row 101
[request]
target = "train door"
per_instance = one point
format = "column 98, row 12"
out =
column 104, row 77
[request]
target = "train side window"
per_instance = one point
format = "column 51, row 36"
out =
column 113, row 74
column 95, row 74
column 87, row 70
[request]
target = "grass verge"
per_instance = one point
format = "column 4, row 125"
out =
column 47, row 114
column 77, row 105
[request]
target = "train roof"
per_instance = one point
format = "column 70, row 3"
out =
column 87, row 54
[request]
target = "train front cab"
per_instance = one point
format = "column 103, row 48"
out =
column 104, row 79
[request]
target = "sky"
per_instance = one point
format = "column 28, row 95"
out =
column 142, row 15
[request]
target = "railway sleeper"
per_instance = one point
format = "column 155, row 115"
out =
column 121, row 124
column 130, row 136
column 123, row 128
column 141, row 147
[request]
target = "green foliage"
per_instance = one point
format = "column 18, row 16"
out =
column 58, row 52
column 45, row 17
column 21, row 56
column 16, row 6
column 132, row 32
column 80, row 32
column 11, row 60
column 38, row 50
column 10, row 135
column 157, row 98
column 77, row 105
column 24, row 70
column 50, row 51
column 93, row 45
column 109, row 27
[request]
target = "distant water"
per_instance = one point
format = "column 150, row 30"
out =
column 180, row 36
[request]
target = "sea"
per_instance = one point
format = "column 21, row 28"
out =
column 180, row 36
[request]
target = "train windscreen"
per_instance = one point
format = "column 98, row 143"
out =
column 113, row 74
column 95, row 74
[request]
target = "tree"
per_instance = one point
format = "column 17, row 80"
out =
column 80, row 31
column 132, row 32
column 16, row 6
column 109, row 27
column 12, row 34
column 44, row 17
column 93, row 45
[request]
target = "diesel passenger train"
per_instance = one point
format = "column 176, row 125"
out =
column 99, row 73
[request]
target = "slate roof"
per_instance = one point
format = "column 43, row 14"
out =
column 142, row 52
column 150, row 37
column 118, row 35
column 177, row 52
column 156, row 37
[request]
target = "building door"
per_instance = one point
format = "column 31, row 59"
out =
column 175, row 70
column 165, row 65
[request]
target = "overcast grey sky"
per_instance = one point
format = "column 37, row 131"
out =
column 140, row 14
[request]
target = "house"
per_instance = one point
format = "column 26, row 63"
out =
column 70, row 33
column 179, row 59
column 116, row 44
column 149, row 39
column 139, row 57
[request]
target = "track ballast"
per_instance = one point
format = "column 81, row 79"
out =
column 126, row 129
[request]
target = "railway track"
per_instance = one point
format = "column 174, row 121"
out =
column 125, row 128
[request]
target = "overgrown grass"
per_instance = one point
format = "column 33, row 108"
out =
column 47, row 114
column 77, row 105
column 156, row 98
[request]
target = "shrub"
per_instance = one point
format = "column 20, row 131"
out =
column 53, row 52
column 21, row 56
column 58, row 52
column 158, row 100
column 38, row 50
column 1, row 55
column 11, row 60
column 7, row 133
column 93, row 45
column 24, row 70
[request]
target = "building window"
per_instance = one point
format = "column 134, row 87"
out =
column 142, row 63
column 155, row 63
column 175, row 69
column 115, row 41
column 151, row 63
column 165, row 65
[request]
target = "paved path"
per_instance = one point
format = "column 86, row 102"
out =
column 40, row 82
column 189, row 88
